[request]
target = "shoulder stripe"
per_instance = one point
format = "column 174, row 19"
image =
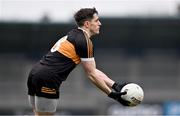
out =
column 89, row 46
column 87, row 43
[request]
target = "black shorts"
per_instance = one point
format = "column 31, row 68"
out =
column 43, row 83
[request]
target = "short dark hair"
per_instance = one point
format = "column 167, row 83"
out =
column 84, row 14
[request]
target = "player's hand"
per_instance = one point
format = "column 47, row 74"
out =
column 123, row 102
column 117, row 96
column 118, row 86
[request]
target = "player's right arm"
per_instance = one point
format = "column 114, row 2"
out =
column 103, row 82
column 97, row 77
column 84, row 48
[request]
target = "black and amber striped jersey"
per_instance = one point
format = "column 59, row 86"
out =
column 67, row 52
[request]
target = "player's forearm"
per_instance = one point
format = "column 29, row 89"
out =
column 106, row 79
column 98, row 80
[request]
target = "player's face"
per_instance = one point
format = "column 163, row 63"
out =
column 94, row 25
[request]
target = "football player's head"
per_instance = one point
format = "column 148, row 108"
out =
column 88, row 18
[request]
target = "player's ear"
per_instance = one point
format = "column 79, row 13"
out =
column 86, row 24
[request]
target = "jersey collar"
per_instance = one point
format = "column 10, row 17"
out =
column 84, row 31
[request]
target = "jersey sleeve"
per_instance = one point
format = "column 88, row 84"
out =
column 84, row 48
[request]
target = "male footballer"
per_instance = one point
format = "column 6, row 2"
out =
column 74, row 48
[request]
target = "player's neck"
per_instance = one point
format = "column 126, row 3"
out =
column 86, row 31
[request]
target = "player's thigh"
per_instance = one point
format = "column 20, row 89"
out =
column 30, row 85
column 47, row 105
column 31, row 100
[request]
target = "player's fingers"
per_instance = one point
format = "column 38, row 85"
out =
column 123, row 93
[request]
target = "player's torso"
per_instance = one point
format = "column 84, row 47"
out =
column 66, row 53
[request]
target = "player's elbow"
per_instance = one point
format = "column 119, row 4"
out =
column 89, row 68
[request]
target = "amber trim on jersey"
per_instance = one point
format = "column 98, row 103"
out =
column 91, row 49
column 89, row 46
